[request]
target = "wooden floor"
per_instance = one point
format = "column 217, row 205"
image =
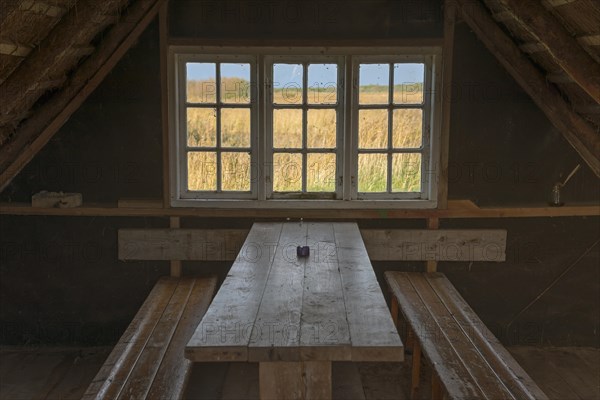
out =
column 64, row 373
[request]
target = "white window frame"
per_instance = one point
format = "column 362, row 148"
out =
column 270, row 107
column 261, row 136
column 426, row 148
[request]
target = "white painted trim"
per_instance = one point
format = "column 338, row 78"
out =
column 261, row 144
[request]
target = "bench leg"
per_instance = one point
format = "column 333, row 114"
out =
column 394, row 310
column 436, row 388
column 410, row 338
column 295, row 380
column 416, row 370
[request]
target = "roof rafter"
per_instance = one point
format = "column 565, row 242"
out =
column 563, row 47
column 58, row 52
column 575, row 129
column 36, row 131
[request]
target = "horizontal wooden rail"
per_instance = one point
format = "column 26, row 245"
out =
column 382, row 245
column 456, row 209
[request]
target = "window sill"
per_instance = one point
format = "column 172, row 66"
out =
column 303, row 204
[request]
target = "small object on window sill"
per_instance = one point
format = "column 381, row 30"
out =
column 303, row 251
column 555, row 200
column 45, row 199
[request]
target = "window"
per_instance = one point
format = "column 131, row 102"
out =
column 260, row 128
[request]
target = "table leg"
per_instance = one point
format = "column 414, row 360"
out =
column 295, row 380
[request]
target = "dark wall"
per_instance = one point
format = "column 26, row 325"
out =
column 61, row 282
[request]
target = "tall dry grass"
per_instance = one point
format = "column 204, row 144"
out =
column 287, row 135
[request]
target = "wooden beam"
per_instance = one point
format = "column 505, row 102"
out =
column 558, row 3
column 176, row 267
column 447, row 61
column 55, row 54
column 456, row 209
column 589, row 40
column 533, row 47
column 36, row 131
column 563, row 47
column 559, row 77
column 432, row 223
column 592, row 109
column 575, row 129
column 163, row 22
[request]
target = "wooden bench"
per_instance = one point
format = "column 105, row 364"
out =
column 148, row 360
column 467, row 360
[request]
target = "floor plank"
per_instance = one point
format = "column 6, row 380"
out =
column 27, row 373
column 563, row 373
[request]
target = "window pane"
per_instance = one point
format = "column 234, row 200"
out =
column 374, row 84
column 235, row 83
column 408, row 83
column 287, row 129
column 202, row 171
column 372, row 129
column 322, row 83
column 235, row 171
column 287, row 172
column 235, row 127
column 406, row 172
column 201, row 78
column 321, row 129
column 372, row 173
column 408, row 128
column 287, row 83
column 202, row 127
column 320, row 173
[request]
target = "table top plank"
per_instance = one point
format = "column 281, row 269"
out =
column 225, row 330
column 372, row 332
column 278, row 307
column 275, row 334
column 324, row 331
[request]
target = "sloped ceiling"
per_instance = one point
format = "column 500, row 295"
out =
column 49, row 49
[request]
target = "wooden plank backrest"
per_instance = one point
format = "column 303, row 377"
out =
column 381, row 244
column 438, row 245
column 238, row 300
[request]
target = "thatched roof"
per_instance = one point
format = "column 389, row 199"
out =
column 53, row 53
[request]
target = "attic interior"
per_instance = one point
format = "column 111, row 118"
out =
column 355, row 199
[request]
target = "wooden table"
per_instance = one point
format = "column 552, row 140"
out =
column 294, row 315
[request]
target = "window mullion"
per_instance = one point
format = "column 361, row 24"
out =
column 350, row 132
column 390, row 127
column 262, row 132
column 304, row 123
column 218, row 133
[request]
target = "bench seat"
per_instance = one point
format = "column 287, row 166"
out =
column 148, row 360
column 467, row 360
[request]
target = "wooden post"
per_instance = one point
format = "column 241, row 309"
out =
column 163, row 19
column 447, row 59
column 394, row 310
column 432, row 223
column 174, row 222
column 436, row 388
column 295, row 380
column 416, row 370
